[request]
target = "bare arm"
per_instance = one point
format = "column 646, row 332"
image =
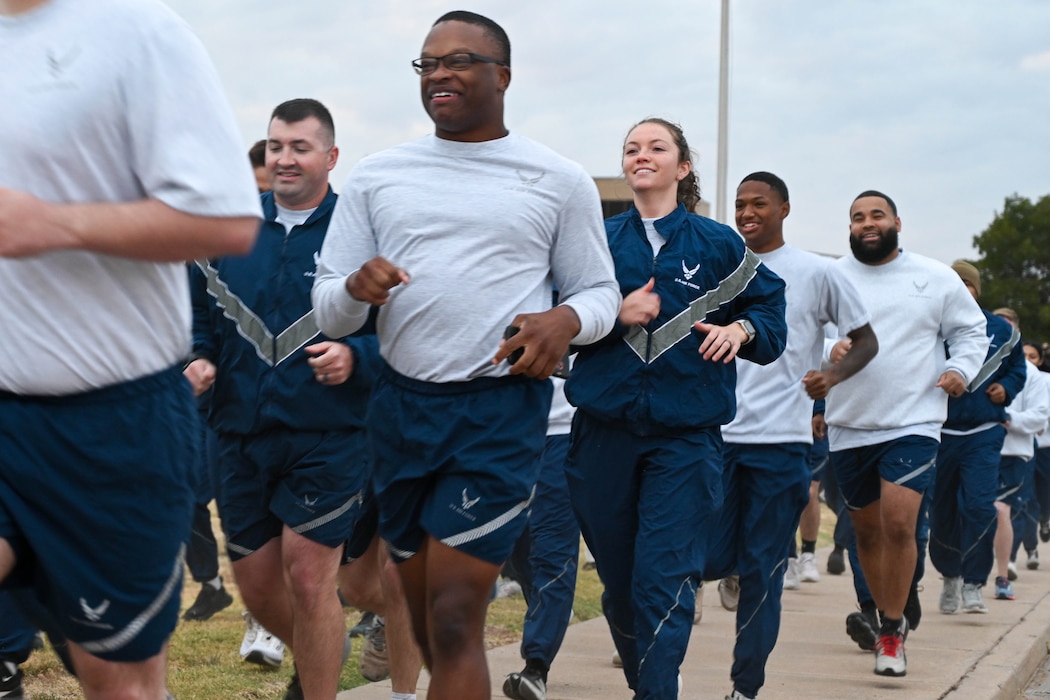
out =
column 863, row 345
column 146, row 229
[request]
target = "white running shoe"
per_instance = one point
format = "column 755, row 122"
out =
column 972, row 601
column 729, row 592
column 259, row 646
column 950, row 594
column 807, row 568
column 889, row 652
column 507, row 588
column 791, row 578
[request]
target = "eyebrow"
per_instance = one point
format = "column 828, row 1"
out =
column 637, row 143
column 292, row 142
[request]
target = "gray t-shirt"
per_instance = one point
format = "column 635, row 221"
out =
column 107, row 101
column 483, row 229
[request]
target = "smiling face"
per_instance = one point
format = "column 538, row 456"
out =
column 651, row 162
column 760, row 214
column 873, row 230
column 465, row 105
column 299, row 156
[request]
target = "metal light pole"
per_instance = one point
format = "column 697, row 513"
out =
column 723, row 117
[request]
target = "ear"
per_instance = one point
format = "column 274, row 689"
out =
column 897, row 223
column 504, row 78
column 785, row 209
column 683, row 170
column 333, row 157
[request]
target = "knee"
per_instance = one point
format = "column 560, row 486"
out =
column 899, row 531
column 361, row 589
column 254, row 591
column 867, row 538
column 456, row 624
column 313, row 582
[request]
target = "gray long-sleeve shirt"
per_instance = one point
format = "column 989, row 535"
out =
column 483, row 229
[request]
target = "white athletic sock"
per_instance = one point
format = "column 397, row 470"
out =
column 215, row 583
column 402, row 696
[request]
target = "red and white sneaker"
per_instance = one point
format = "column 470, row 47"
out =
column 889, row 652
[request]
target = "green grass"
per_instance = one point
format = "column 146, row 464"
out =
column 204, row 663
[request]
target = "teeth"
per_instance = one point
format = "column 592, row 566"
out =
column 442, row 94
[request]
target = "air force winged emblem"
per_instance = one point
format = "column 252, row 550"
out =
column 920, row 288
column 94, row 614
column 689, row 273
column 530, row 178
column 468, row 502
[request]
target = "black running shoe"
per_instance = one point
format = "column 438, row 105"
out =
column 863, row 627
column 836, row 562
column 913, row 608
column 530, row 684
column 295, row 688
column 10, row 681
column 209, row 601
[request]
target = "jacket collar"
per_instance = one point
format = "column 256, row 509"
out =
column 269, row 206
column 665, row 226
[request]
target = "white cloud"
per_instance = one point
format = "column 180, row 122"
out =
column 1039, row 62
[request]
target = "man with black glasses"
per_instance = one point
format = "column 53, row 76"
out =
column 456, row 236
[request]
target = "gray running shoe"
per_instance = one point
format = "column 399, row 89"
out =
column 971, row 599
column 950, row 594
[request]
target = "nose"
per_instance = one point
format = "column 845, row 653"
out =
column 440, row 72
column 284, row 156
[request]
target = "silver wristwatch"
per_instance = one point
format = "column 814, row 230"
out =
column 749, row 328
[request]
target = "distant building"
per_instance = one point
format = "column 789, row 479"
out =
column 617, row 197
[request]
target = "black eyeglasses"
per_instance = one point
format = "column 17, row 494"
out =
column 453, row 61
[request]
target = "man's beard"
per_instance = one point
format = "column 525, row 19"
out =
column 872, row 255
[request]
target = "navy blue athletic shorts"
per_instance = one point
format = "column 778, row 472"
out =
column 1012, row 471
column 457, row 461
column 818, row 456
column 313, row 482
column 364, row 530
column 96, row 501
column 908, row 461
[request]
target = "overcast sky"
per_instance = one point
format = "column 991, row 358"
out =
column 942, row 104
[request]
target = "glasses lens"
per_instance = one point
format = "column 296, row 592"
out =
column 425, row 66
column 458, row 61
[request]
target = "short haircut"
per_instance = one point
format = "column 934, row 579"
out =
column 302, row 108
column 876, row 193
column 257, row 154
column 493, row 30
column 1009, row 314
column 774, row 182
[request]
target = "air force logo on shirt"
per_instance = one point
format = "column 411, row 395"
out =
column 920, row 289
column 317, row 262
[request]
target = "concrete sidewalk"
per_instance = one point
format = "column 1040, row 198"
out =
column 950, row 657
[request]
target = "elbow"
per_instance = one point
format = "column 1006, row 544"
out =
column 238, row 236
